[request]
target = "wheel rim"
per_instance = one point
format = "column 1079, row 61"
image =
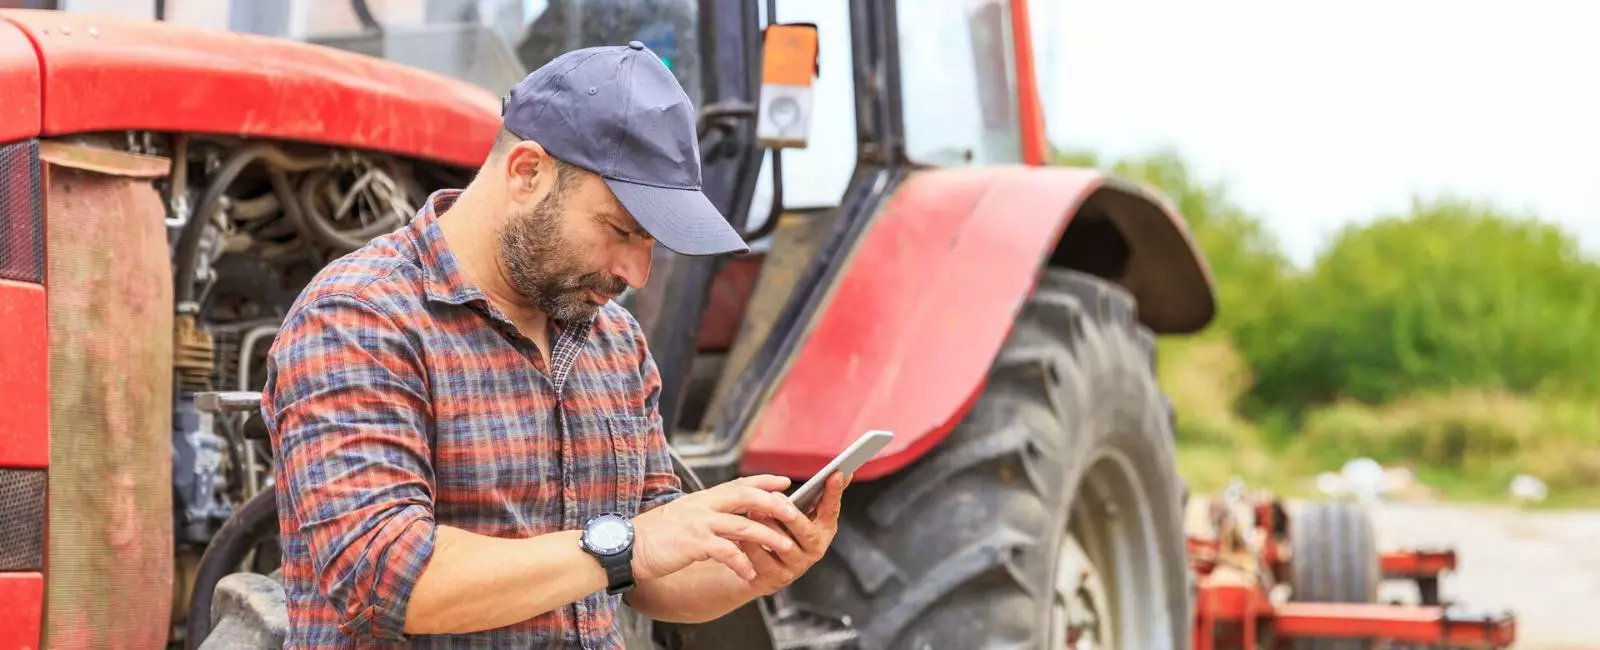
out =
column 1107, row 573
column 1080, row 617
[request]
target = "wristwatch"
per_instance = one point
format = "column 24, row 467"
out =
column 609, row 538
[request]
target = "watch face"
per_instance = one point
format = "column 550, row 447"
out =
column 609, row 535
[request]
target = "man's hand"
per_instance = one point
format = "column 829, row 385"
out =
column 777, row 568
column 711, row 525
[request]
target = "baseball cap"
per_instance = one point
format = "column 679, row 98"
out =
column 618, row 112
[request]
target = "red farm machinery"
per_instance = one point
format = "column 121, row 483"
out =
column 167, row 187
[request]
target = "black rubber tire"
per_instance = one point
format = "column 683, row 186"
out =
column 958, row 549
column 246, row 528
column 1335, row 561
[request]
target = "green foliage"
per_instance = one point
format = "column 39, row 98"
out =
column 1470, row 441
column 1452, row 295
column 1456, row 337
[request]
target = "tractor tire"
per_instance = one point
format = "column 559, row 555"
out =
column 1335, row 561
column 1055, row 500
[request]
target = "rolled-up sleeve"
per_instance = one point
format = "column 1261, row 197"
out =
column 347, row 406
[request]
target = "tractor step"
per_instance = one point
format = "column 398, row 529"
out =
column 800, row 628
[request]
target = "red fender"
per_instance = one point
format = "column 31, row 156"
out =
column 102, row 73
column 930, row 294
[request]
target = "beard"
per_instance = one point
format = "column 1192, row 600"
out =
column 545, row 267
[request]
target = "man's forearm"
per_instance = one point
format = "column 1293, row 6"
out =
column 704, row 591
column 475, row 582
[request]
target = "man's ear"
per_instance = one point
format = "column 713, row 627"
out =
column 527, row 166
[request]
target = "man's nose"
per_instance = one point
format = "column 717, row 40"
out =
column 634, row 264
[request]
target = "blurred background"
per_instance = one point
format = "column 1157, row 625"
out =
column 1398, row 201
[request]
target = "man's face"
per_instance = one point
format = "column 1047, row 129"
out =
column 575, row 249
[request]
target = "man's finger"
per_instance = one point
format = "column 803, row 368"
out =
column 742, row 529
column 736, row 498
column 732, row 557
column 832, row 495
column 765, row 562
column 806, row 533
column 767, row 482
column 795, row 556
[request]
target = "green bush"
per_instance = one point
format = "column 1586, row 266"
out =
column 1469, row 431
column 1472, row 440
column 1453, row 295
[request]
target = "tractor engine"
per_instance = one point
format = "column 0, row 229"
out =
column 172, row 260
column 255, row 223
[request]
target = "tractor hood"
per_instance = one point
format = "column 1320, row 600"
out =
column 64, row 73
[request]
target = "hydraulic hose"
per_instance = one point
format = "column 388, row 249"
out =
column 298, row 208
column 253, row 522
column 189, row 238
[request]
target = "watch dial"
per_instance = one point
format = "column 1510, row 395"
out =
column 608, row 536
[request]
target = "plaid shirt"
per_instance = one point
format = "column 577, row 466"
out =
column 398, row 398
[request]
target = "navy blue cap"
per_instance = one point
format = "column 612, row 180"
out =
column 618, row 112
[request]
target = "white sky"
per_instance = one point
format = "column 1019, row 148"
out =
column 1314, row 114
column 1317, row 114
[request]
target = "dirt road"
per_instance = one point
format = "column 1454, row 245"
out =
column 1543, row 565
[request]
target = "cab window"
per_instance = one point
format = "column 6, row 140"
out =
column 959, row 86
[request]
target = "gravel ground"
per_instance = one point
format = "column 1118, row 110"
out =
column 1544, row 566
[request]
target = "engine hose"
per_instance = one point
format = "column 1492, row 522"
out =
column 253, row 522
column 188, row 249
column 256, row 208
column 322, row 229
column 309, row 227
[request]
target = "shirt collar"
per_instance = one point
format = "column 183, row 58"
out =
column 443, row 279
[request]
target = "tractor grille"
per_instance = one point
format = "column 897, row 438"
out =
column 21, row 213
column 109, row 582
column 21, row 519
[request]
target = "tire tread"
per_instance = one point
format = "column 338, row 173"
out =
column 1077, row 362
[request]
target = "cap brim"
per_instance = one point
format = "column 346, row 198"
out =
column 682, row 220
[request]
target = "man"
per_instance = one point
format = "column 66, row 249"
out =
column 466, row 431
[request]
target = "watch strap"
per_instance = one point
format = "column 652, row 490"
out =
column 619, row 571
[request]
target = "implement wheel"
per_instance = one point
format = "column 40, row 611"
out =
column 1049, row 518
column 1335, row 561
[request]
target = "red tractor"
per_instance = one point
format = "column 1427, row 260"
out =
column 166, row 190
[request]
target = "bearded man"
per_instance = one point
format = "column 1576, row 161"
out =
column 468, row 450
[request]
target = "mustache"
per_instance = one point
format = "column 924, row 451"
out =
column 601, row 283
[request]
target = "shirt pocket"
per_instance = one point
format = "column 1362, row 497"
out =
column 627, row 433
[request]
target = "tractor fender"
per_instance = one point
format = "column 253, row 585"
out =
column 930, row 291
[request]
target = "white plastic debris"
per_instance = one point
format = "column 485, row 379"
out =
column 1363, row 479
column 1528, row 489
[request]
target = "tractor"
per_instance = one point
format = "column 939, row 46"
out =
column 168, row 188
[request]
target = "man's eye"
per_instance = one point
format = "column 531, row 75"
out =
column 625, row 234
